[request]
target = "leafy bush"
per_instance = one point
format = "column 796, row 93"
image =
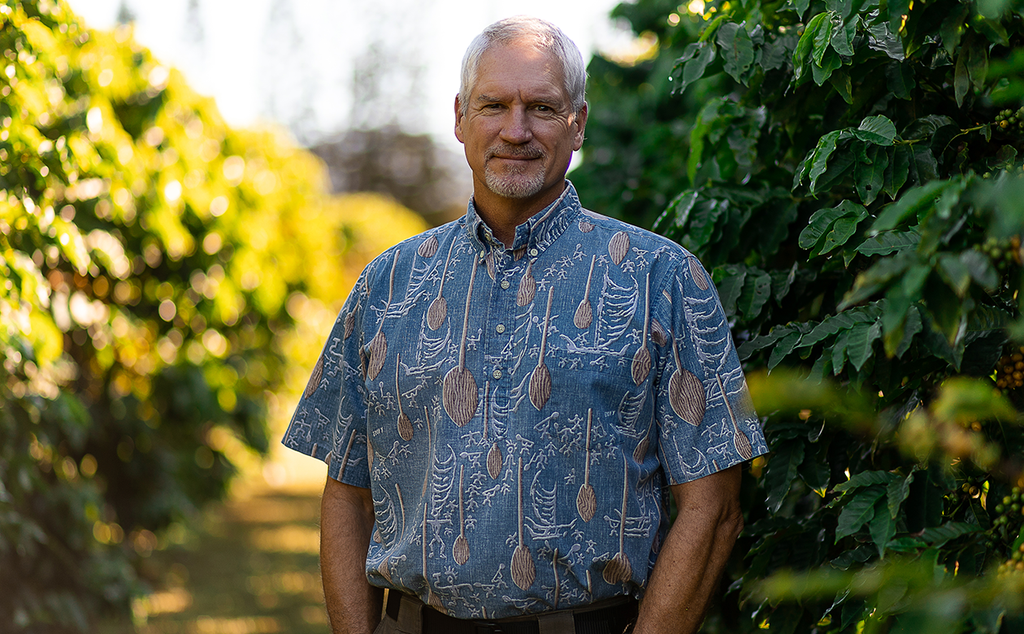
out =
column 153, row 266
column 851, row 171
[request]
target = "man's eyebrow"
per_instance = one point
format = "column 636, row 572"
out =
column 546, row 99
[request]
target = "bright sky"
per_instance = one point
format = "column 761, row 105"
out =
column 301, row 53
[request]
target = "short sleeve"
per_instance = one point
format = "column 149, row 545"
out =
column 707, row 421
column 329, row 420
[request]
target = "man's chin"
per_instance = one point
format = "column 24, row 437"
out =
column 516, row 187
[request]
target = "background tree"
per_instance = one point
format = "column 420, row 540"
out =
column 153, row 266
column 851, row 173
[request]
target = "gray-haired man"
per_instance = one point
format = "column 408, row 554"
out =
column 506, row 401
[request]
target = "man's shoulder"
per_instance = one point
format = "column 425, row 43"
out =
column 421, row 245
column 639, row 238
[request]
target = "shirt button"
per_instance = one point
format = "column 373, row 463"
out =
column 504, row 284
column 500, row 328
column 533, row 252
column 497, row 374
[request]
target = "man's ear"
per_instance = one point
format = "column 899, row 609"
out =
column 458, row 120
column 581, row 124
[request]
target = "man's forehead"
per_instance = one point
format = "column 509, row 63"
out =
column 513, row 67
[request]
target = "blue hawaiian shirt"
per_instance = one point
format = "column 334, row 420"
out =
column 517, row 412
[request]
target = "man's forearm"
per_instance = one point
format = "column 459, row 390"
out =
column 346, row 520
column 694, row 555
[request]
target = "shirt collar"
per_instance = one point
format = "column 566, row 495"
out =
column 538, row 232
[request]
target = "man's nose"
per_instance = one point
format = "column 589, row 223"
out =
column 517, row 127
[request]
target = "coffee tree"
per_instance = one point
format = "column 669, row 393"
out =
column 160, row 277
column 851, row 171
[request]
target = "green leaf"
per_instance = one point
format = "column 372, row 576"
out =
column 701, row 129
column 994, row 31
column 806, row 45
column 756, row 291
column 961, row 78
column 782, row 349
column 678, row 211
column 940, row 535
column 912, row 326
column 823, row 37
column 913, row 202
column 704, row 218
column 815, row 470
column 842, row 230
column 834, row 323
column 859, row 347
column 888, row 242
column 781, row 470
column 832, row 227
column 842, row 35
column 877, row 129
column 730, row 287
column 698, row 55
column 865, row 479
column 977, row 61
column 870, row 176
column 839, row 352
column 881, row 272
column 799, row 6
column 848, row 558
column 948, row 312
column 898, row 341
column 782, row 281
column 763, row 341
column 839, row 167
column 954, row 273
column 735, row 49
column 818, row 158
column 899, row 169
column 840, row 80
column 899, row 77
column 881, row 527
column 952, row 28
column 820, row 222
column 897, row 492
column 980, row 268
column 858, row 511
column 830, row 61
column 882, row 38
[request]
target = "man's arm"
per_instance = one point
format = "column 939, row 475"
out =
column 694, row 554
column 346, row 520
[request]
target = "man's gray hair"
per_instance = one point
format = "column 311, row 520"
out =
column 536, row 31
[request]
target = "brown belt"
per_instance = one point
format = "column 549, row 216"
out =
column 608, row 617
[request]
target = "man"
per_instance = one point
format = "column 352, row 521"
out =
column 506, row 401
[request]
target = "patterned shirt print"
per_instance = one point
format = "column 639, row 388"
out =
column 517, row 412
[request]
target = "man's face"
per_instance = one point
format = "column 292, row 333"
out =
column 519, row 129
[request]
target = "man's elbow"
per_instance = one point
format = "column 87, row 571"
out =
column 731, row 523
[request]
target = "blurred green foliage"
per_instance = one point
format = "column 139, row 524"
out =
column 851, row 170
column 164, row 283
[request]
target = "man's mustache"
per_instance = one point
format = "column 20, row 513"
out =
column 516, row 152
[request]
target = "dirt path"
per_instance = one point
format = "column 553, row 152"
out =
column 250, row 569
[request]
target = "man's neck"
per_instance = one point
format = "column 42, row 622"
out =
column 503, row 215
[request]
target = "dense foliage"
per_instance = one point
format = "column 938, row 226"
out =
column 153, row 266
column 852, row 172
